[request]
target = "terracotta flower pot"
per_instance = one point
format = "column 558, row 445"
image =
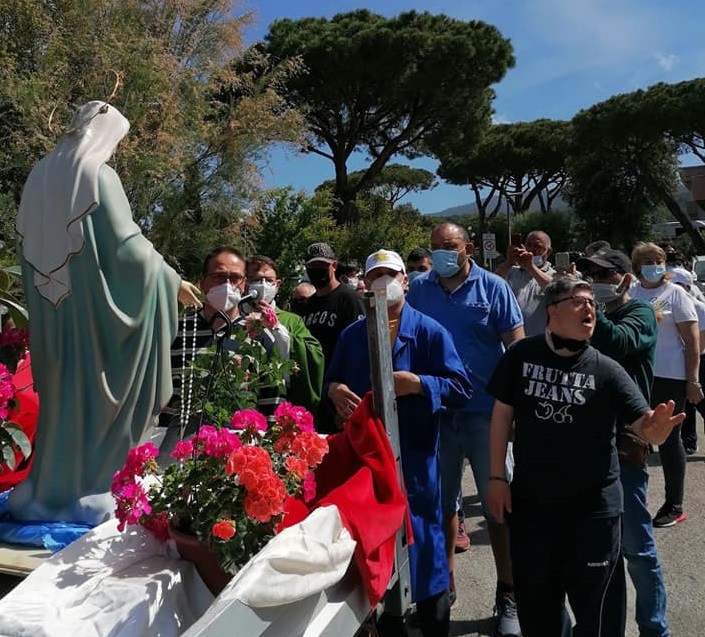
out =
column 204, row 558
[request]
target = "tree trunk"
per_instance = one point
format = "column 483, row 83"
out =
column 345, row 210
column 681, row 216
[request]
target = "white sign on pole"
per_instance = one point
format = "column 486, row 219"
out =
column 489, row 245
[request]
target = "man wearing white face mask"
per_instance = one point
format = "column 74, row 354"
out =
column 428, row 377
column 528, row 272
column 305, row 384
column 223, row 284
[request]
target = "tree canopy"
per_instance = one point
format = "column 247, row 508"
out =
column 513, row 163
column 392, row 183
column 388, row 86
column 186, row 164
column 625, row 158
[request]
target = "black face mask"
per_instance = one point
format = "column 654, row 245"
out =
column 319, row 278
column 571, row 344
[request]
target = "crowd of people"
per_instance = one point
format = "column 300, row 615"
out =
column 552, row 382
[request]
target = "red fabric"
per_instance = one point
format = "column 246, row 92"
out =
column 25, row 415
column 358, row 475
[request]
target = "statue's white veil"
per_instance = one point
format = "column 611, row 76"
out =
column 60, row 191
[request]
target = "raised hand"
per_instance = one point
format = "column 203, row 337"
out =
column 655, row 425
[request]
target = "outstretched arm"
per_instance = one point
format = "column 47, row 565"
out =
column 656, row 424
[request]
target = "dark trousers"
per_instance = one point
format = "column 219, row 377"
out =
column 689, row 435
column 672, row 451
column 433, row 616
column 555, row 555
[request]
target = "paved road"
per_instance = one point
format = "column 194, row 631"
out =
column 681, row 548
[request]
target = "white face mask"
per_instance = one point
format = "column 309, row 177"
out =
column 223, row 297
column 394, row 288
column 607, row 292
column 352, row 282
column 266, row 291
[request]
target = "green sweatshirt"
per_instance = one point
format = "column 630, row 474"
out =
column 628, row 335
column 305, row 385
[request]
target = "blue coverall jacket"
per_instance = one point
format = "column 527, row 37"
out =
column 424, row 347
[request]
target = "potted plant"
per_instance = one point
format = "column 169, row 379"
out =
column 229, row 483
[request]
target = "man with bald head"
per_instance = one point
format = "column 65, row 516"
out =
column 478, row 308
column 528, row 272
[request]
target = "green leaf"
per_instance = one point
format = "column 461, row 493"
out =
column 19, row 438
column 8, row 457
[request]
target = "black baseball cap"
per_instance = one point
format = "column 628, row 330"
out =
column 320, row 252
column 606, row 259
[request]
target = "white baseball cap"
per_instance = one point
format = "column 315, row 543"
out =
column 384, row 259
column 681, row 275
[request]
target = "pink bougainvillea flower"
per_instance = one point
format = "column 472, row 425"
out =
column 223, row 530
column 182, row 450
column 249, row 419
column 269, row 317
column 309, row 487
column 289, row 416
column 132, row 504
column 7, row 391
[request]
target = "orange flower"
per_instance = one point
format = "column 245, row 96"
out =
column 224, row 529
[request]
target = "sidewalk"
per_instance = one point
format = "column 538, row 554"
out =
column 681, row 549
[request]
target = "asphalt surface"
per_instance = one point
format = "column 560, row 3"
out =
column 681, row 548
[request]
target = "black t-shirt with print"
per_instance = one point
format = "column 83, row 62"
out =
column 566, row 411
column 327, row 316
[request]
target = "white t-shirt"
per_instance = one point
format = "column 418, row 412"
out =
column 700, row 311
column 673, row 305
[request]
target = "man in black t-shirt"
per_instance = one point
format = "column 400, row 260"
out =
column 334, row 306
column 567, row 401
column 327, row 313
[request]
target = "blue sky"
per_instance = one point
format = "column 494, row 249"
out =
column 569, row 54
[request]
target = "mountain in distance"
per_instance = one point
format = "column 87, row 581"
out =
column 471, row 209
column 559, row 205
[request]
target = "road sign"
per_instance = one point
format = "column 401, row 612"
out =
column 489, row 244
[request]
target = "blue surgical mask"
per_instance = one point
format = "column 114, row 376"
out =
column 538, row 260
column 414, row 275
column 653, row 273
column 445, row 262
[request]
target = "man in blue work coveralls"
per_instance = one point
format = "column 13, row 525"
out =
column 428, row 376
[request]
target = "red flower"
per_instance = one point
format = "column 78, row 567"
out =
column 297, row 466
column 224, row 530
column 311, row 447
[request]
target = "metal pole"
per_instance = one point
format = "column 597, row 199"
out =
column 398, row 596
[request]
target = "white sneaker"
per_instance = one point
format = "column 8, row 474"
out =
column 505, row 611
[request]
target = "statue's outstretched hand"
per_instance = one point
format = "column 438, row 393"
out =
column 188, row 295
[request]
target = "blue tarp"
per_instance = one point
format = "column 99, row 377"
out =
column 52, row 536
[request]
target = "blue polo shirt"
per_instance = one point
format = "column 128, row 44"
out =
column 476, row 313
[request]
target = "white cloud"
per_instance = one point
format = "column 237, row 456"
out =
column 500, row 118
column 667, row 62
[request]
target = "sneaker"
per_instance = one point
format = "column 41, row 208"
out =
column 452, row 594
column 689, row 451
column 669, row 515
column 462, row 541
column 505, row 611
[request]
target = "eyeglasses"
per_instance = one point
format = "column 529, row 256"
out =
column 578, row 301
column 257, row 279
column 224, row 277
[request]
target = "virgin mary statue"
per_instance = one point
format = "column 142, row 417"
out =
column 103, row 313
